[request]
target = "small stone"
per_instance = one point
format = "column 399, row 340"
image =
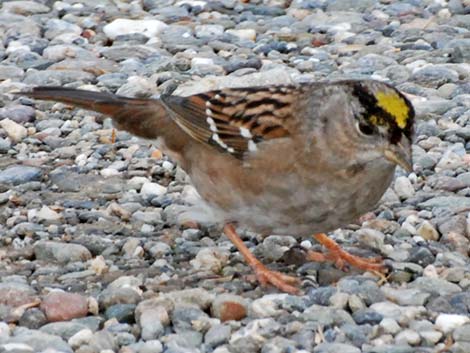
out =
column 197, row 296
column 355, row 303
column 32, row 318
column 81, row 338
column 14, row 294
column 61, row 252
column 274, row 246
column 25, row 8
column 98, row 265
column 121, row 26
column 462, row 333
column 229, row 307
column 435, row 286
column 20, row 174
column 335, row 348
column 121, row 312
column 64, row 329
column 120, row 295
column 367, row 316
column 209, row 30
column 62, row 306
column 339, row 300
column 431, row 337
column 404, row 188
column 408, row 337
column 37, row 341
column 447, row 323
column 217, row 335
column 20, row 114
column 211, row 259
column 251, row 337
column 405, row 296
column 15, row 131
column 152, row 190
column 249, row 34
column 46, row 214
column 268, row 305
column 390, row 325
column 151, row 346
column 387, row 309
column 185, row 316
column 427, row 231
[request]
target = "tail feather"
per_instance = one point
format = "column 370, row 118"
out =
column 142, row 117
column 106, row 103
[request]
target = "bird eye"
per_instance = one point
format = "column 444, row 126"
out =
column 365, row 129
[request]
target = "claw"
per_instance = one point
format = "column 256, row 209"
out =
column 264, row 275
column 341, row 257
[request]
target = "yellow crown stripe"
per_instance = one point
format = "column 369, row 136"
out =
column 395, row 105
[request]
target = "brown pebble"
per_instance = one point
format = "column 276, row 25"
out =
column 229, row 307
column 232, row 311
column 62, row 306
column 157, row 154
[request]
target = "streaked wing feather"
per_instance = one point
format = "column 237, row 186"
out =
column 235, row 120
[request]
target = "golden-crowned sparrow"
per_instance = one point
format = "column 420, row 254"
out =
column 280, row 160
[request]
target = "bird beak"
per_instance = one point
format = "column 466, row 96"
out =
column 400, row 154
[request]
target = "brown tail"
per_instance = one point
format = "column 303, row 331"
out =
column 142, row 117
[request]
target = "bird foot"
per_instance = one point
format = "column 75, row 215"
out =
column 264, row 275
column 341, row 257
column 277, row 279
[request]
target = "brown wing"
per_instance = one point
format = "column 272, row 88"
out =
column 235, row 120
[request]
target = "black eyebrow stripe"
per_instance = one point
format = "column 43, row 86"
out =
column 369, row 102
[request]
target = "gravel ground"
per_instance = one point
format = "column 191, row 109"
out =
column 95, row 255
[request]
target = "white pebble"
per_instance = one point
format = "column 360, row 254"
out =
column 449, row 322
column 121, row 26
column 15, row 131
column 403, row 187
column 109, row 172
column 249, row 34
column 81, row 338
column 390, row 325
column 151, row 190
column 407, row 336
column 212, row 259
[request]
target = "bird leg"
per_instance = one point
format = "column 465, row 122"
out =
column 264, row 275
column 340, row 257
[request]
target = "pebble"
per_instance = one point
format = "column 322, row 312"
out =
column 428, row 231
column 62, row 306
column 64, row 329
column 390, row 326
column 60, row 252
column 462, row 333
column 152, row 190
column 23, row 7
column 210, row 259
column 228, row 307
column 122, row 26
column 403, row 187
column 217, row 335
column 447, row 323
column 404, row 296
column 15, row 131
column 249, row 34
column 81, row 338
column 19, row 174
column 20, row 114
column 335, row 347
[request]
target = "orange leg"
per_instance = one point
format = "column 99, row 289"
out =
column 340, row 257
column 263, row 274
